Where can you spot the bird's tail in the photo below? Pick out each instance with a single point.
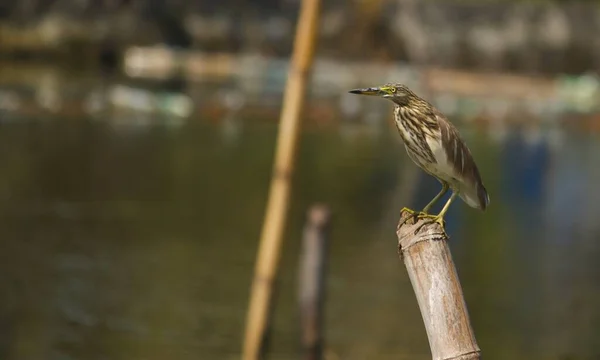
(478, 199)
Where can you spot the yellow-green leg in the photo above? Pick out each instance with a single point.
(445, 188)
(439, 218)
(424, 212)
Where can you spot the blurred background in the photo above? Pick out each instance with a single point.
(137, 140)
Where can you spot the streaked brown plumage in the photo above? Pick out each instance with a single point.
(435, 145)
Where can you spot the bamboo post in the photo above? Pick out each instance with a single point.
(277, 206)
(311, 290)
(434, 279)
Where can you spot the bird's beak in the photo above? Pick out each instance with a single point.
(368, 91)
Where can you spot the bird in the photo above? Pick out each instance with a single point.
(434, 144)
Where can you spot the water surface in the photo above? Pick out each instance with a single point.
(134, 240)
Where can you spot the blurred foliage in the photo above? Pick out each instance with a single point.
(521, 36)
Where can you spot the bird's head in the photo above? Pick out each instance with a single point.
(398, 93)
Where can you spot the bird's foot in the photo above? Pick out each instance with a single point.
(433, 219)
(414, 215)
(410, 211)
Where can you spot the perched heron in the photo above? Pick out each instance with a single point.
(435, 145)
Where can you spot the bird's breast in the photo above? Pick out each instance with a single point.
(424, 147)
(417, 139)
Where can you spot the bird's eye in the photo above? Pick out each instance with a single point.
(393, 90)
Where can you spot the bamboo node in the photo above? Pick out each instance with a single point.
(264, 279)
(471, 355)
(300, 71)
(282, 174)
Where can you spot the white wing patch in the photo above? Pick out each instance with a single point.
(445, 171)
(443, 168)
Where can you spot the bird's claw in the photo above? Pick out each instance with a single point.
(430, 219)
(414, 215)
(410, 211)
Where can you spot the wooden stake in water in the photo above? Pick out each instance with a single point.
(278, 202)
(434, 279)
(311, 290)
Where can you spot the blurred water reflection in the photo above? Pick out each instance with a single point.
(136, 239)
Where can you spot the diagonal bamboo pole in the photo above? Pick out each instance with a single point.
(277, 207)
(433, 276)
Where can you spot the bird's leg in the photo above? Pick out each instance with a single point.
(436, 198)
(439, 218)
(424, 213)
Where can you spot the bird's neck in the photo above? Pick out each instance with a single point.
(401, 101)
(421, 114)
(413, 102)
